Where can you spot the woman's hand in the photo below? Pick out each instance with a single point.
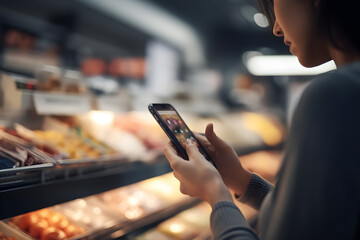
(198, 177)
(226, 161)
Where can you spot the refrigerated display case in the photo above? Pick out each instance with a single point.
(103, 216)
(30, 188)
(193, 223)
(125, 153)
(87, 150)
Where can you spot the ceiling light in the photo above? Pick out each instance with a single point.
(283, 65)
(261, 20)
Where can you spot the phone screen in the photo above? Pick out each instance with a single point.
(175, 128)
(176, 125)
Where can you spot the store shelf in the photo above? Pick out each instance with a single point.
(38, 189)
(34, 188)
(132, 228)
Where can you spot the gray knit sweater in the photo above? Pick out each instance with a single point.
(317, 195)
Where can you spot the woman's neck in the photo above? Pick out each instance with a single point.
(343, 57)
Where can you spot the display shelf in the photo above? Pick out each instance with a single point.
(45, 103)
(57, 103)
(36, 189)
(31, 188)
(133, 228)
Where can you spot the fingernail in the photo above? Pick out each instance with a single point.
(189, 141)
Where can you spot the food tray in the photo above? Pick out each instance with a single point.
(21, 176)
(13, 232)
(8, 224)
(102, 159)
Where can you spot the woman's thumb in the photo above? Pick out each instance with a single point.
(211, 136)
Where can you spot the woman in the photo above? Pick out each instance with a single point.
(317, 195)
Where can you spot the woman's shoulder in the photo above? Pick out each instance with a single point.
(343, 82)
(348, 75)
(333, 93)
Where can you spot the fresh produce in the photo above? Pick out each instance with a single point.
(47, 224)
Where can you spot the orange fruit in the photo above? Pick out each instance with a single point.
(70, 231)
(73, 230)
(63, 223)
(44, 213)
(51, 233)
(16, 219)
(28, 220)
(38, 228)
(55, 218)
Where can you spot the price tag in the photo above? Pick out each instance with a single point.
(113, 103)
(61, 104)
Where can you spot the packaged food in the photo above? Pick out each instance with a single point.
(165, 187)
(131, 202)
(55, 79)
(89, 212)
(46, 224)
(73, 82)
(154, 234)
(102, 148)
(9, 233)
(72, 145)
(28, 137)
(6, 162)
(143, 127)
(193, 223)
(198, 216)
(178, 229)
(4, 237)
(21, 154)
(69, 136)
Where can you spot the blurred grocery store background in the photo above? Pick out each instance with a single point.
(76, 79)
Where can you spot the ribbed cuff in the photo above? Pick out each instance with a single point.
(223, 215)
(227, 222)
(257, 190)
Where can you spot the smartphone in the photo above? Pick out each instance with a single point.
(175, 128)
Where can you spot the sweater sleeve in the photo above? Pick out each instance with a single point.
(227, 222)
(256, 192)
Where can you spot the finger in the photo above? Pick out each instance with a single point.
(213, 138)
(192, 149)
(181, 185)
(183, 189)
(205, 143)
(209, 149)
(171, 155)
(169, 149)
(177, 175)
(202, 139)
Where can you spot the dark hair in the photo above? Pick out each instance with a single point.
(267, 8)
(338, 19)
